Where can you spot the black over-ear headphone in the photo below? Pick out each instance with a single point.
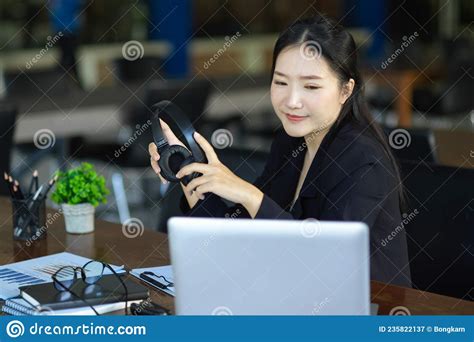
(174, 157)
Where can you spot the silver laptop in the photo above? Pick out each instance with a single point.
(269, 267)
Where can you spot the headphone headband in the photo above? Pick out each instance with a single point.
(171, 111)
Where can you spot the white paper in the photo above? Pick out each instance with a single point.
(37, 271)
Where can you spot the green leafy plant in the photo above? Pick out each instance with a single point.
(80, 185)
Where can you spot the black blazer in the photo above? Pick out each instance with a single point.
(350, 179)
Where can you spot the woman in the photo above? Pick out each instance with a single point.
(330, 161)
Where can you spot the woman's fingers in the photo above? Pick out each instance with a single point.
(196, 182)
(207, 148)
(202, 189)
(156, 168)
(169, 135)
(164, 125)
(193, 167)
(153, 151)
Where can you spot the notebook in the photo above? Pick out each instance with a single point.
(20, 307)
(108, 289)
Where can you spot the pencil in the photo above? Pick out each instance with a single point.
(34, 180)
(20, 193)
(7, 183)
(35, 177)
(10, 181)
(50, 185)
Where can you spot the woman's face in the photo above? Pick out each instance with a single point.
(305, 93)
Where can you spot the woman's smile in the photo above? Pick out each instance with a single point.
(295, 118)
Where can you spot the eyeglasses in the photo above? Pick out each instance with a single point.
(65, 277)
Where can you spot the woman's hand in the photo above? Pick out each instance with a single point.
(153, 150)
(218, 179)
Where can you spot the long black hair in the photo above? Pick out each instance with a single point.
(324, 37)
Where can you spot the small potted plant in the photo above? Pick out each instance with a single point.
(79, 191)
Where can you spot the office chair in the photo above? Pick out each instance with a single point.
(247, 164)
(422, 146)
(8, 115)
(441, 236)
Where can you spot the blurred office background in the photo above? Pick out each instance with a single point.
(78, 78)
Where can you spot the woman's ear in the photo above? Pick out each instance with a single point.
(346, 90)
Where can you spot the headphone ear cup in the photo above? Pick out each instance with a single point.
(171, 161)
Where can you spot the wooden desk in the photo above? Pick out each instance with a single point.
(109, 244)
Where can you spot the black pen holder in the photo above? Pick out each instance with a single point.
(29, 220)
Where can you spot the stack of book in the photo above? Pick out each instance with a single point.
(26, 288)
(105, 296)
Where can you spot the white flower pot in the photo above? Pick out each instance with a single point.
(79, 218)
